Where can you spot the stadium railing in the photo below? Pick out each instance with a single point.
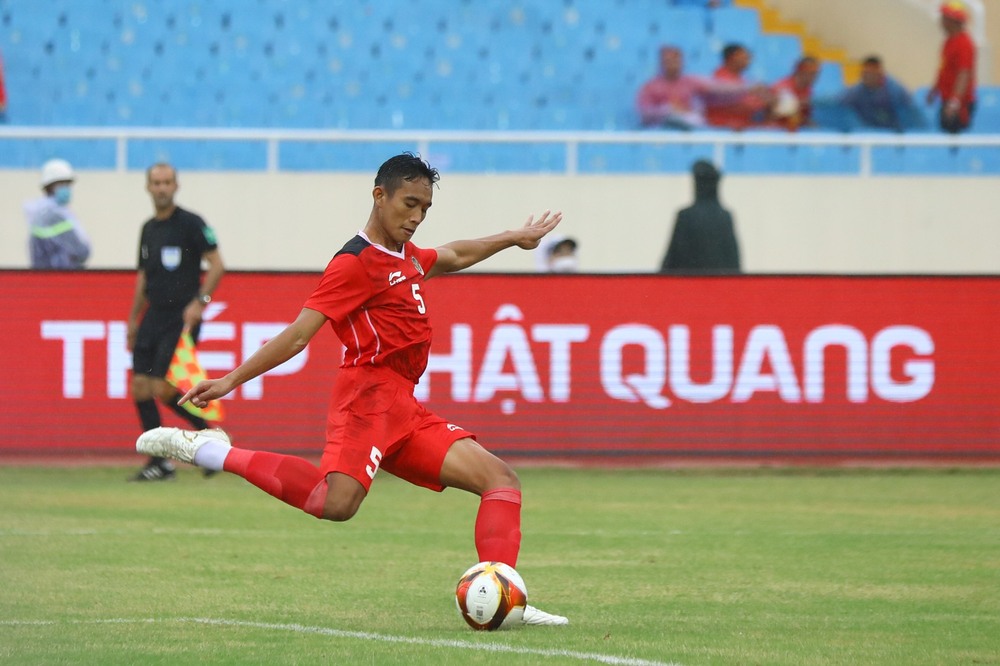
(560, 152)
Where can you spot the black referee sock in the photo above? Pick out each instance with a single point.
(149, 414)
(198, 422)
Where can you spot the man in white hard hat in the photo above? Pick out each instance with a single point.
(57, 241)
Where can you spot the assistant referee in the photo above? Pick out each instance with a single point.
(170, 296)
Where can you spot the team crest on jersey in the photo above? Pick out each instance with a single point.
(416, 264)
(170, 257)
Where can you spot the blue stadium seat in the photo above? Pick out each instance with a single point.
(830, 80)
(752, 158)
(406, 64)
(679, 25)
(639, 157)
(499, 158)
(735, 24)
(987, 117)
(774, 57)
(199, 155)
(900, 160)
(343, 156)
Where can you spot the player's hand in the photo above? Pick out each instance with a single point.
(206, 391)
(534, 230)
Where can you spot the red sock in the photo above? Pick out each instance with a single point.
(498, 526)
(292, 480)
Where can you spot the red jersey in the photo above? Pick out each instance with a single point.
(373, 298)
(3, 92)
(734, 113)
(804, 96)
(958, 53)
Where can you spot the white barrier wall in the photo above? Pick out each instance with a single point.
(785, 224)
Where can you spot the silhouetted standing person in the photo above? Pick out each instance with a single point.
(704, 237)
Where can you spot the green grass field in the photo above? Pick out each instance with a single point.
(652, 567)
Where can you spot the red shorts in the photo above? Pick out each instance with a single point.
(375, 422)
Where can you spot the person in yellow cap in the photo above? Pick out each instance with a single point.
(956, 79)
(57, 240)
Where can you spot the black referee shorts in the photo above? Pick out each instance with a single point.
(156, 341)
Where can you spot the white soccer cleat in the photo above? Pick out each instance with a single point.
(176, 443)
(534, 616)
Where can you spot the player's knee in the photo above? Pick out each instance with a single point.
(506, 477)
(340, 507)
(339, 513)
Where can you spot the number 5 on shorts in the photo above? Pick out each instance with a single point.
(376, 458)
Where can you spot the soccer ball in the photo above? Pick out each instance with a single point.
(491, 595)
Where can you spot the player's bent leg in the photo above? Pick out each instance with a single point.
(498, 523)
(182, 445)
(344, 496)
(468, 466)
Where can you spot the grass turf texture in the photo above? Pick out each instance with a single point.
(686, 567)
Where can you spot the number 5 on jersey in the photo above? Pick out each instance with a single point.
(415, 288)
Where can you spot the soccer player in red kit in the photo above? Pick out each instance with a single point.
(371, 294)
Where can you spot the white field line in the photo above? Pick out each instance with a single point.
(366, 636)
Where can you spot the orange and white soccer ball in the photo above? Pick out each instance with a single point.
(491, 595)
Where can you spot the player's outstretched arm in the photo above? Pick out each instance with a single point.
(461, 254)
(275, 351)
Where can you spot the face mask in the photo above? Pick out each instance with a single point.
(564, 264)
(63, 194)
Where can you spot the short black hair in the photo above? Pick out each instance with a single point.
(565, 242)
(405, 166)
(872, 60)
(730, 49)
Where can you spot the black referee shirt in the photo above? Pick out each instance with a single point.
(170, 254)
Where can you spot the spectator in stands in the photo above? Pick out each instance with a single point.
(704, 236)
(956, 78)
(672, 98)
(880, 101)
(3, 94)
(57, 240)
(746, 110)
(677, 100)
(792, 107)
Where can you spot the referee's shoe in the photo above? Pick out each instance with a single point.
(157, 469)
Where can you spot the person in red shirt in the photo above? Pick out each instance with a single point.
(792, 108)
(745, 110)
(956, 78)
(3, 93)
(372, 296)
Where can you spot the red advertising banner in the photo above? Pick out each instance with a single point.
(632, 368)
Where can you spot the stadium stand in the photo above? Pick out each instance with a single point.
(387, 65)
